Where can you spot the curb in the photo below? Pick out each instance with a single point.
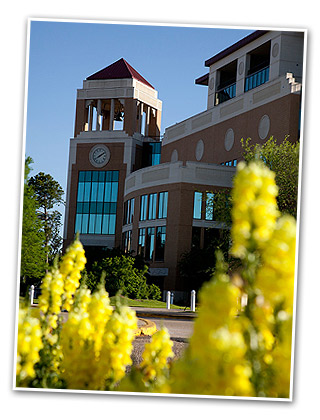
(148, 329)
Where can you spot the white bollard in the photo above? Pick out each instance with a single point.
(168, 299)
(193, 301)
(31, 294)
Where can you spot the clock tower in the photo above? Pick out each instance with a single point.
(118, 114)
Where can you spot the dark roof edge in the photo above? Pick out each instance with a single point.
(244, 41)
(202, 80)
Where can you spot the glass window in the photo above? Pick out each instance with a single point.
(142, 242)
(82, 176)
(131, 212)
(128, 211)
(127, 240)
(209, 206)
(97, 202)
(150, 243)
(151, 153)
(152, 206)
(87, 189)
(197, 205)
(160, 243)
(80, 191)
(100, 191)
(143, 207)
(163, 205)
(78, 223)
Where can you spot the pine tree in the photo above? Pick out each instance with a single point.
(49, 194)
(33, 256)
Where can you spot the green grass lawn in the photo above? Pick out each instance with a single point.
(144, 303)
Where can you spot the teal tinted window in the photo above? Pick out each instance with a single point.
(152, 206)
(128, 211)
(142, 242)
(151, 154)
(127, 240)
(150, 244)
(143, 207)
(97, 202)
(197, 205)
(163, 205)
(160, 243)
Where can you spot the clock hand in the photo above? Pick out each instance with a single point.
(101, 154)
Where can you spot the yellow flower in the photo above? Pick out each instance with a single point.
(156, 354)
(254, 207)
(275, 278)
(72, 263)
(29, 344)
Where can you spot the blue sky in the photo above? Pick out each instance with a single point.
(63, 54)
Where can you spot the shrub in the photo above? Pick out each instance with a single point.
(153, 292)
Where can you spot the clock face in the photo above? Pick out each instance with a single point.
(99, 156)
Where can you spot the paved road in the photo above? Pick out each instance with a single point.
(178, 328)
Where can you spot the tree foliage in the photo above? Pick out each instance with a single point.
(196, 267)
(32, 248)
(121, 275)
(283, 159)
(49, 194)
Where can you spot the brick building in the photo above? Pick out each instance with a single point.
(128, 189)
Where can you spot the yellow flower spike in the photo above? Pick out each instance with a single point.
(156, 354)
(72, 263)
(29, 345)
(254, 206)
(275, 278)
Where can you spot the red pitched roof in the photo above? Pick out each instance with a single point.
(121, 69)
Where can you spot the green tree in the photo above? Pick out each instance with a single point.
(121, 274)
(283, 159)
(196, 267)
(49, 194)
(33, 256)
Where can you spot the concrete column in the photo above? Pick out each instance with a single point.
(146, 130)
(140, 117)
(111, 122)
(90, 117)
(241, 75)
(275, 51)
(98, 115)
(212, 89)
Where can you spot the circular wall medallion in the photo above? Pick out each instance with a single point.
(99, 155)
(229, 139)
(199, 149)
(264, 127)
(275, 50)
(174, 156)
(241, 67)
(211, 83)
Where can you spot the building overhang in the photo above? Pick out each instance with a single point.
(202, 80)
(243, 42)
